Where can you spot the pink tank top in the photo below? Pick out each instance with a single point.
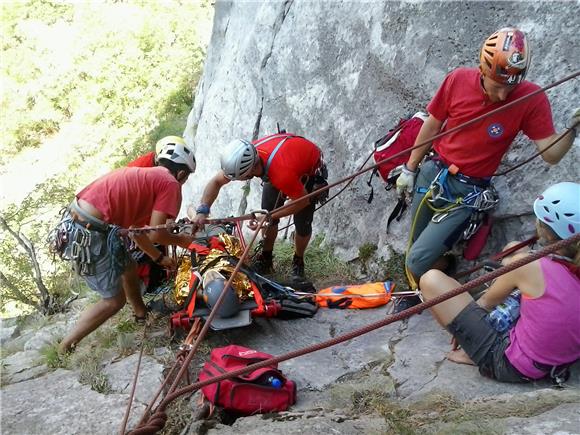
(548, 330)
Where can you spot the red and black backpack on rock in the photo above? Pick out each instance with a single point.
(261, 391)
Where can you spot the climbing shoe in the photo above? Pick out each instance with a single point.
(262, 263)
(297, 268)
(405, 303)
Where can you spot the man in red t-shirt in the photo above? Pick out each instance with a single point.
(150, 159)
(466, 160)
(291, 167)
(124, 198)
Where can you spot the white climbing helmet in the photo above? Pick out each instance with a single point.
(174, 148)
(559, 208)
(238, 158)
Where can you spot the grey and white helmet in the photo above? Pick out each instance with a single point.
(238, 158)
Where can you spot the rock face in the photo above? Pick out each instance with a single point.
(342, 73)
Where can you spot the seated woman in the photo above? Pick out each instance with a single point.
(546, 337)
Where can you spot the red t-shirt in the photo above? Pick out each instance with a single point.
(128, 196)
(145, 161)
(478, 149)
(296, 158)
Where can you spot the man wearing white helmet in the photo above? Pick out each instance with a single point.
(124, 198)
(291, 167)
(149, 159)
(545, 339)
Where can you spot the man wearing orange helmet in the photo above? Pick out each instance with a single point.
(455, 184)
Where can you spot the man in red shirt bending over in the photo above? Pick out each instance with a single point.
(290, 167)
(456, 183)
(88, 236)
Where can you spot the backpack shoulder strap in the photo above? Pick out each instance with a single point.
(397, 212)
(273, 153)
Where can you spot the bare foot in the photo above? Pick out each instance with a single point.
(460, 357)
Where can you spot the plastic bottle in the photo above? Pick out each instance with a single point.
(274, 382)
(505, 314)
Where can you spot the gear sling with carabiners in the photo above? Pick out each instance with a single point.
(457, 202)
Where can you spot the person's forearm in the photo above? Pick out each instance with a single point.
(559, 150)
(427, 132)
(145, 244)
(211, 192)
(497, 292)
(417, 156)
(166, 238)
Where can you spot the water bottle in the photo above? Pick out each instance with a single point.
(274, 382)
(505, 314)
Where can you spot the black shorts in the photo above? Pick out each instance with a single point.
(484, 345)
(272, 198)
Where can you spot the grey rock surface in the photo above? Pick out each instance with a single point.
(340, 389)
(563, 419)
(121, 375)
(342, 73)
(59, 404)
(46, 335)
(316, 423)
(8, 332)
(22, 366)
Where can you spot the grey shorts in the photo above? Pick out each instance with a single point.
(272, 198)
(485, 346)
(430, 240)
(103, 278)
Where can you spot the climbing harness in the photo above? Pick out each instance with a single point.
(73, 237)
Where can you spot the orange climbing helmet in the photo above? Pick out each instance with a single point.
(505, 56)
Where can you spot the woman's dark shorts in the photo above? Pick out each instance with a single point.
(484, 345)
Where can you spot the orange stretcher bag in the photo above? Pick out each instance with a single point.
(356, 296)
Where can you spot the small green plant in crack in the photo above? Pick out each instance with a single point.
(394, 269)
(365, 253)
(321, 263)
(88, 362)
(53, 358)
(368, 401)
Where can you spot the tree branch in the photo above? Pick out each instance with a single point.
(19, 295)
(36, 272)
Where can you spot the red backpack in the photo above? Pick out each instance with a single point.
(399, 138)
(261, 391)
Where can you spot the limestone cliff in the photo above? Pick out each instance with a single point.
(341, 73)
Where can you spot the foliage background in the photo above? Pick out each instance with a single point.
(86, 87)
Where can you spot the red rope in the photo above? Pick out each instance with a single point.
(153, 424)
